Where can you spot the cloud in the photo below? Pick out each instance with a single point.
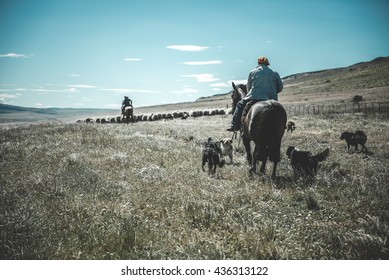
(12, 90)
(74, 88)
(220, 85)
(5, 96)
(45, 90)
(209, 62)
(127, 90)
(111, 106)
(133, 59)
(228, 84)
(14, 55)
(186, 90)
(81, 86)
(236, 82)
(71, 89)
(202, 78)
(187, 48)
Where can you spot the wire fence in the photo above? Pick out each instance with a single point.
(354, 107)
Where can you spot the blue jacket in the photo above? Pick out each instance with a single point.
(263, 84)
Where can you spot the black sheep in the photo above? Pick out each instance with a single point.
(355, 139)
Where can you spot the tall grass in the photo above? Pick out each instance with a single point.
(78, 191)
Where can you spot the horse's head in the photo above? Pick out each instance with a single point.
(237, 93)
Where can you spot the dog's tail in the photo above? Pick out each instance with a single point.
(323, 155)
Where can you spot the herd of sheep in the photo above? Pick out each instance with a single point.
(158, 116)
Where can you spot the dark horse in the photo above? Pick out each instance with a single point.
(128, 114)
(264, 124)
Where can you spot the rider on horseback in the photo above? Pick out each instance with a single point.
(262, 84)
(126, 103)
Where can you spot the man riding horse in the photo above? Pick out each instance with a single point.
(262, 84)
(126, 103)
(127, 110)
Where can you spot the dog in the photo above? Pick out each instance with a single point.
(355, 139)
(211, 154)
(226, 148)
(291, 126)
(303, 162)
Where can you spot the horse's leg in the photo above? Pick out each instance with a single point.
(246, 143)
(253, 169)
(273, 175)
(257, 157)
(263, 167)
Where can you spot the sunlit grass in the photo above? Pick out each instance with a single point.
(78, 191)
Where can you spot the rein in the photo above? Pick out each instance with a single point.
(238, 92)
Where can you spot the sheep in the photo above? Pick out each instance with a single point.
(221, 112)
(355, 139)
(168, 117)
(185, 116)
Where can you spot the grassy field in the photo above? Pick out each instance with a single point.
(79, 191)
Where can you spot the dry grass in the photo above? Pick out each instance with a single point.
(78, 191)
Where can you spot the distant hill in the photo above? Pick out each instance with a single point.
(8, 109)
(370, 74)
(366, 78)
(369, 79)
(17, 114)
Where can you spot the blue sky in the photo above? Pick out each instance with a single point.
(89, 54)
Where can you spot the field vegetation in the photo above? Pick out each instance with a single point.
(89, 191)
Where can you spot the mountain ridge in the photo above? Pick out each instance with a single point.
(336, 85)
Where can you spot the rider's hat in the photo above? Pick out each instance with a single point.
(263, 60)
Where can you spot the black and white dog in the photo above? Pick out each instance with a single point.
(291, 126)
(355, 139)
(303, 162)
(226, 148)
(211, 154)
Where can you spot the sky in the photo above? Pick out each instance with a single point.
(89, 54)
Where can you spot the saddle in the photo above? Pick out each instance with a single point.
(247, 108)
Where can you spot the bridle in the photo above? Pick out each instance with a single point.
(237, 93)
